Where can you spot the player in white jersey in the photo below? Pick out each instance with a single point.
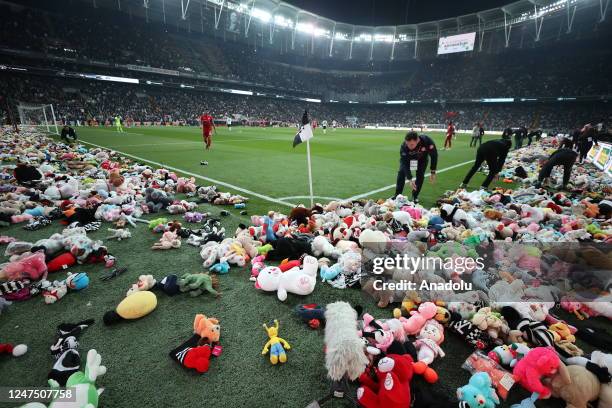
(334, 124)
(324, 124)
(228, 122)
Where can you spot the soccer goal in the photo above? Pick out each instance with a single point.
(38, 116)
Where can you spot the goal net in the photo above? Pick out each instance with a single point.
(41, 117)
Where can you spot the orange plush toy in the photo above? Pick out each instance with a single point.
(207, 328)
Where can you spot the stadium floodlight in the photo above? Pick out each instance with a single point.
(311, 100)
(187, 86)
(110, 78)
(383, 38)
(497, 100)
(238, 91)
(261, 15)
(332, 101)
(153, 83)
(282, 21)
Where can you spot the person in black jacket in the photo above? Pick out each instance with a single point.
(588, 136)
(414, 154)
(68, 133)
(493, 152)
(561, 157)
(519, 134)
(535, 132)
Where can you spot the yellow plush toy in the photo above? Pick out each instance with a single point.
(275, 345)
(135, 306)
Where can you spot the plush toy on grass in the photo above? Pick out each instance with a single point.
(220, 267)
(169, 240)
(428, 342)
(119, 234)
(392, 390)
(195, 353)
(145, 282)
(298, 281)
(276, 346)
(478, 393)
(29, 266)
(133, 307)
(539, 363)
(13, 350)
(198, 283)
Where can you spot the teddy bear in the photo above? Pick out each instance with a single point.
(185, 185)
(156, 199)
(485, 319)
(479, 392)
(562, 332)
(299, 281)
(392, 386)
(322, 247)
(419, 317)
(168, 240)
(428, 342)
(539, 363)
(576, 385)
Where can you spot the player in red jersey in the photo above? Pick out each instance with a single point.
(208, 126)
(450, 132)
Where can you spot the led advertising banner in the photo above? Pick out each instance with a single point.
(456, 43)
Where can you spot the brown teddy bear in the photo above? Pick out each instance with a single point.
(576, 385)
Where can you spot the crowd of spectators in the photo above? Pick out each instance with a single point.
(84, 100)
(111, 36)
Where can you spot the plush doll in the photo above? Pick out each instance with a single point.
(77, 281)
(561, 331)
(132, 307)
(169, 240)
(276, 346)
(576, 385)
(298, 281)
(490, 322)
(119, 234)
(392, 390)
(478, 393)
(470, 333)
(28, 266)
(145, 282)
(198, 283)
(418, 318)
(534, 332)
(209, 252)
(85, 393)
(508, 355)
(322, 247)
(539, 363)
(61, 262)
(196, 352)
(13, 350)
(220, 268)
(428, 342)
(257, 264)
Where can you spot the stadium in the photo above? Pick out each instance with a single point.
(177, 173)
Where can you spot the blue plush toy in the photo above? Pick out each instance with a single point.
(528, 402)
(221, 268)
(436, 222)
(77, 281)
(478, 393)
(329, 273)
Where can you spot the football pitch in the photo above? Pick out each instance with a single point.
(346, 163)
(261, 163)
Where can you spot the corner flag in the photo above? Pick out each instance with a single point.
(305, 132)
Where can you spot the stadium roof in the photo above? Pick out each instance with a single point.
(272, 18)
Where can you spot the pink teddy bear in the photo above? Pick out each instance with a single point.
(418, 318)
(538, 363)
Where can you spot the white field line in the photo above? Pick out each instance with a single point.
(305, 196)
(222, 183)
(378, 190)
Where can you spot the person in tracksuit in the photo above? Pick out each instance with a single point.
(562, 157)
(414, 157)
(519, 134)
(493, 152)
(588, 136)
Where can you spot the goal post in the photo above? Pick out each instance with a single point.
(39, 116)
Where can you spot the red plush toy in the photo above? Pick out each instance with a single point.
(539, 362)
(15, 351)
(392, 390)
(60, 262)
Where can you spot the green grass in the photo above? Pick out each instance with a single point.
(140, 373)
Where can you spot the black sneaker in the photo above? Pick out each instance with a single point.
(203, 163)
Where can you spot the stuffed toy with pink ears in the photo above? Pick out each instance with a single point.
(539, 363)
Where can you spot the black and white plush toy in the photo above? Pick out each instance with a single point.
(469, 332)
(65, 351)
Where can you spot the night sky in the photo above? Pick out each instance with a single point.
(394, 12)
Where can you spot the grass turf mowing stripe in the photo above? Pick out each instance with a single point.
(379, 190)
(242, 190)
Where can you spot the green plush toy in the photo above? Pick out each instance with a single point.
(198, 283)
(82, 384)
(264, 249)
(157, 221)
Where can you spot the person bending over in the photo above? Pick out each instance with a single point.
(68, 133)
(493, 152)
(414, 154)
(588, 136)
(562, 157)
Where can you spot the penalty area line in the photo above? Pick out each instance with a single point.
(390, 186)
(222, 183)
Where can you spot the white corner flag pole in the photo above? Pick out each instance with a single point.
(309, 172)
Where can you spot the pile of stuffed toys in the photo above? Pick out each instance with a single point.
(543, 249)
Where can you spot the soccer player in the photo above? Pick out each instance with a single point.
(450, 131)
(228, 122)
(475, 134)
(494, 152)
(208, 125)
(118, 125)
(414, 154)
(324, 124)
(68, 133)
(561, 157)
(334, 124)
